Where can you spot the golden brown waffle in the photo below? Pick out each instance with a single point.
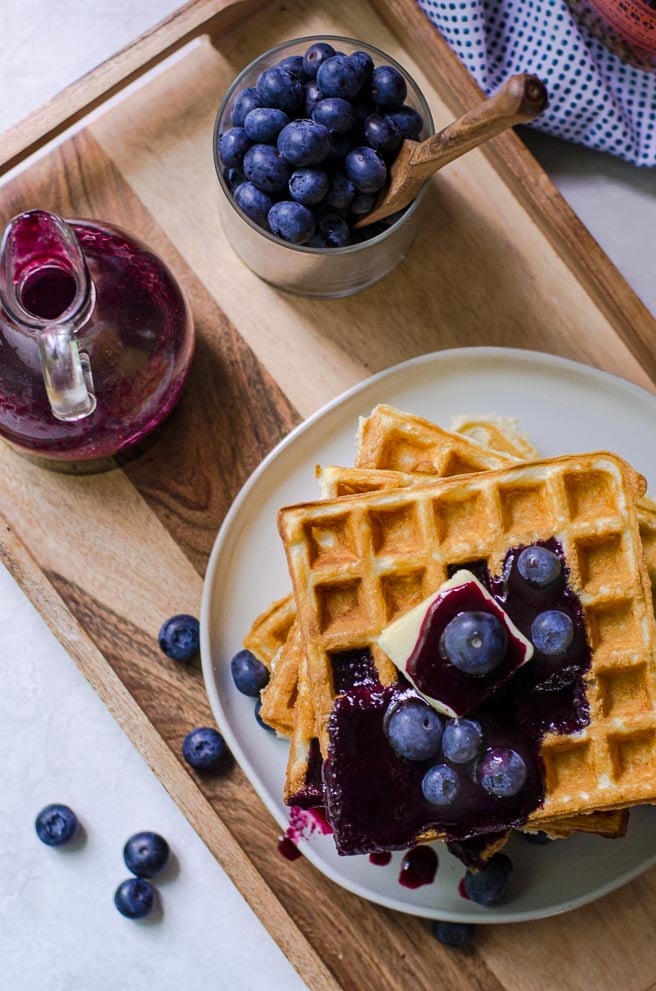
(612, 825)
(268, 634)
(499, 433)
(280, 695)
(357, 562)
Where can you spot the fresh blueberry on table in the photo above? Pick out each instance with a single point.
(333, 230)
(381, 133)
(388, 87)
(452, 933)
(56, 825)
(293, 64)
(313, 96)
(414, 730)
(440, 784)
(340, 76)
(366, 169)
(266, 168)
(254, 202)
(462, 740)
(488, 885)
(408, 121)
(366, 63)
(552, 632)
(315, 56)
(247, 100)
(291, 221)
(258, 717)
(263, 125)
(334, 113)
(539, 566)
(340, 193)
(303, 142)
(233, 145)
(308, 186)
(135, 898)
(146, 854)
(475, 642)
(278, 88)
(502, 772)
(204, 748)
(249, 675)
(362, 204)
(179, 637)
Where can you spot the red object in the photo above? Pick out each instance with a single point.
(635, 20)
(287, 848)
(418, 867)
(380, 858)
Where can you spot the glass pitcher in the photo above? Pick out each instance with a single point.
(96, 339)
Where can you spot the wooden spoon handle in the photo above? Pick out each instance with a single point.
(520, 99)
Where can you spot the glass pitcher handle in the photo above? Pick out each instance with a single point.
(66, 373)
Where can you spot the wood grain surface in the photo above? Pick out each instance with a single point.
(106, 558)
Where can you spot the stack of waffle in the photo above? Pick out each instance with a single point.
(420, 501)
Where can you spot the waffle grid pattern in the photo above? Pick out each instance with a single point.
(358, 562)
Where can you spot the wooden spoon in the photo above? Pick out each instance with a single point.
(521, 98)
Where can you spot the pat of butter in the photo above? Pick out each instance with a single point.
(400, 638)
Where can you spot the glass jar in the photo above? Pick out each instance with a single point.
(322, 272)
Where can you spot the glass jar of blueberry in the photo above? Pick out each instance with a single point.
(303, 143)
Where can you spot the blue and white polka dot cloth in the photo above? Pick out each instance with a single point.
(595, 98)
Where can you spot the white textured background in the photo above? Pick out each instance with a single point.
(58, 928)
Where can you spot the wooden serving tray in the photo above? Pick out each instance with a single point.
(106, 558)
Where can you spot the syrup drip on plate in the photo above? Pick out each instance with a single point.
(302, 824)
(418, 867)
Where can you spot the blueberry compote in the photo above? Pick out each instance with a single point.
(374, 798)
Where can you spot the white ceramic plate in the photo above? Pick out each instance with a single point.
(564, 407)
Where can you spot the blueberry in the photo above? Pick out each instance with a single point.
(253, 202)
(266, 168)
(452, 933)
(340, 76)
(313, 96)
(56, 825)
(409, 122)
(414, 730)
(488, 885)
(440, 784)
(539, 566)
(462, 740)
(363, 203)
(134, 898)
(539, 837)
(341, 192)
(302, 142)
(247, 100)
(315, 56)
(179, 637)
(475, 642)
(501, 772)
(233, 145)
(234, 178)
(340, 146)
(334, 113)
(366, 169)
(277, 88)
(382, 133)
(203, 748)
(258, 706)
(552, 632)
(249, 675)
(293, 64)
(308, 186)
(291, 221)
(388, 87)
(365, 62)
(364, 107)
(334, 230)
(146, 854)
(264, 124)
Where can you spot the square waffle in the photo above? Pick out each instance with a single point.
(359, 561)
